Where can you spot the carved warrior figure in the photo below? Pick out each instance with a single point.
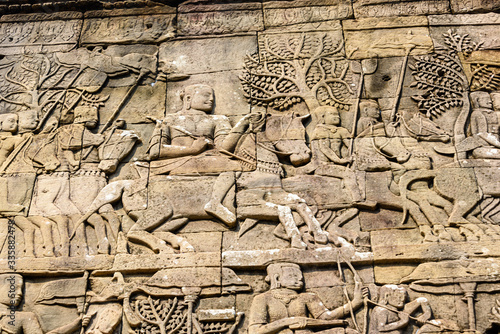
(194, 142)
(392, 314)
(260, 192)
(485, 141)
(284, 309)
(13, 321)
(373, 147)
(328, 141)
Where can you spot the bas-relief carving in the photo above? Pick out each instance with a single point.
(184, 235)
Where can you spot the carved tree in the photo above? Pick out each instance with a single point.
(444, 83)
(163, 316)
(441, 77)
(40, 82)
(290, 69)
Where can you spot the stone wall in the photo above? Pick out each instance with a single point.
(205, 167)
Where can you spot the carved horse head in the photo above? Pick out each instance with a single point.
(288, 135)
(422, 128)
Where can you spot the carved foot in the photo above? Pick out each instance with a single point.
(222, 213)
(442, 234)
(103, 246)
(186, 247)
(163, 248)
(296, 242)
(6, 207)
(320, 237)
(48, 253)
(426, 232)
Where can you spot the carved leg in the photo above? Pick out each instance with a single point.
(5, 206)
(100, 230)
(176, 241)
(45, 226)
(29, 235)
(442, 234)
(62, 223)
(305, 212)
(148, 220)
(286, 218)
(155, 244)
(214, 207)
(423, 225)
(471, 232)
(80, 238)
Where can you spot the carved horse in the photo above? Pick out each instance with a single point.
(420, 191)
(155, 202)
(260, 193)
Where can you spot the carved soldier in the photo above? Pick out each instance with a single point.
(373, 148)
(13, 321)
(485, 141)
(392, 314)
(284, 309)
(327, 142)
(190, 142)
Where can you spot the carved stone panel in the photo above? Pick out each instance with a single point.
(259, 167)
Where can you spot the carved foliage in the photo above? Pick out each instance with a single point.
(297, 68)
(441, 78)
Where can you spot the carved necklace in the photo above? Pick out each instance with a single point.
(284, 296)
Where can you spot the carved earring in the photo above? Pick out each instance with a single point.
(276, 279)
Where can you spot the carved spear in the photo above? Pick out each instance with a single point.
(366, 66)
(115, 113)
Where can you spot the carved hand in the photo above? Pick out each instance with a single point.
(199, 145)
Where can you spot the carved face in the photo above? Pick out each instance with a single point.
(484, 101)
(291, 278)
(9, 123)
(91, 124)
(28, 120)
(371, 110)
(11, 290)
(332, 117)
(396, 298)
(202, 99)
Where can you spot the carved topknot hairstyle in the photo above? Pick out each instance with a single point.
(388, 289)
(189, 90)
(277, 269)
(474, 97)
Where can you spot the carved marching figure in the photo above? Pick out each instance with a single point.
(392, 314)
(329, 142)
(285, 309)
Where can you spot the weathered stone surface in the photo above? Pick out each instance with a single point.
(367, 38)
(57, 35)
(206, 19)
(260, 167)
(374, 8)
(472, 6)
(284, 13)
(480, 28)
(128, 29)
(181, 57)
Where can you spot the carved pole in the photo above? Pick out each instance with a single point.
(115, 113)
(190, 296)
(408, 49)
(367, 66)
(469, 290)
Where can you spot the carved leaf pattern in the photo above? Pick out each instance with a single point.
(290, 70)
(441, 78)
